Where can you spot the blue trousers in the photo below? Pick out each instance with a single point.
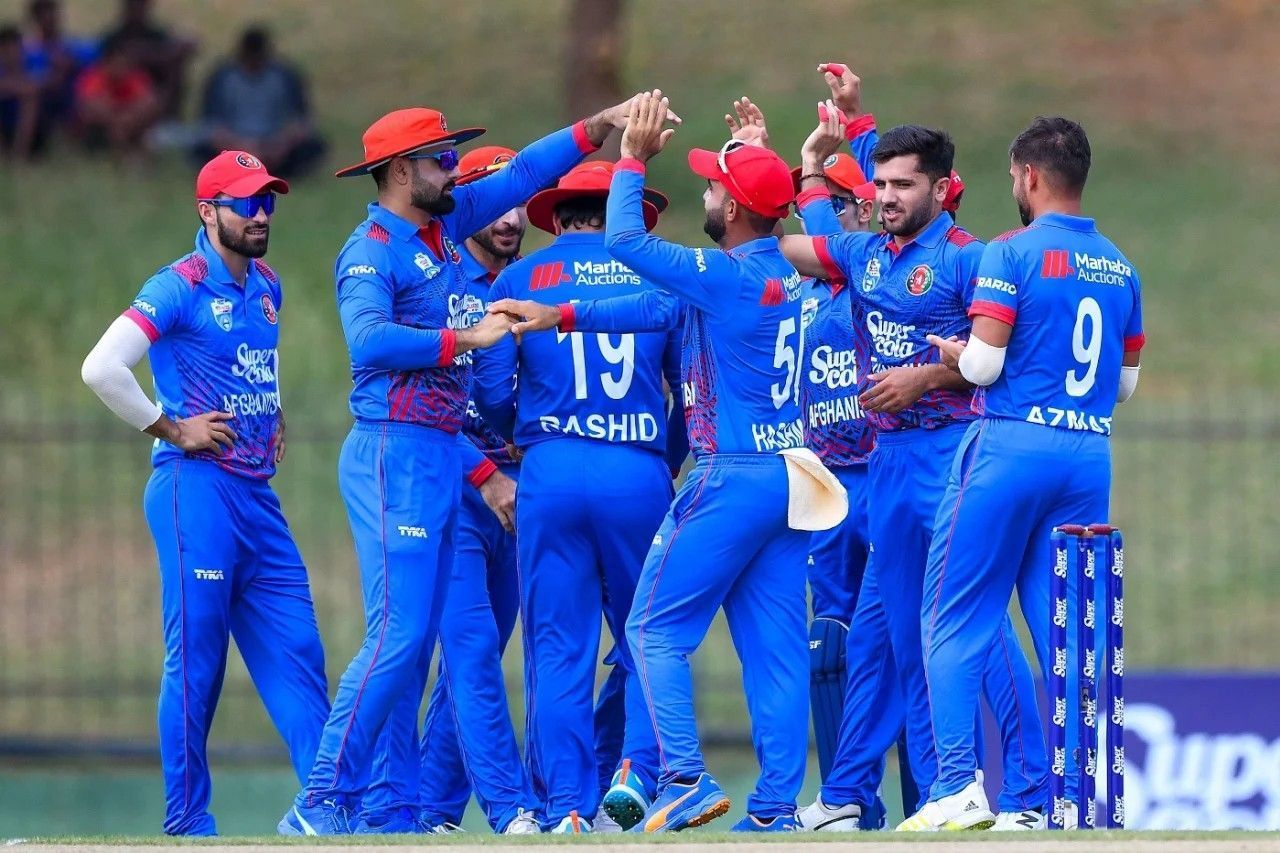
(228, 568)
(468, 742)
(908, 473)
(838, 557)
(611, 719)
(725, 541)
(1010, 485)
(586, 512)
(400, 483)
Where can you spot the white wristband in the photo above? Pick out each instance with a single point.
(1128, 382)
(981, 363)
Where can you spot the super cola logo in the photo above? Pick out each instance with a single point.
(1197, 780)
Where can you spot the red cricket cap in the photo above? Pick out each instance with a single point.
(952, 202)
(482, 161)
(591, 178)
(238, 174)
(842, 170)
(403, 132)
(755, 177)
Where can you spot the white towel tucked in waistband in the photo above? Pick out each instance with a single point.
(815, 498)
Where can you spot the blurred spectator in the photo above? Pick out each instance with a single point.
(55, 59)
(116, 102)
(254, 102)
(21, 131)
(163, 55)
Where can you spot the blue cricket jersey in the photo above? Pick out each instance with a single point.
(837, 354)
(402, 292)
(214, 349)
(743, 347)
(1075, 304)
(483, 437)
(593, 385)
(902, 295)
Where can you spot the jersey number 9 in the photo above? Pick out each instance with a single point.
(1086, 350)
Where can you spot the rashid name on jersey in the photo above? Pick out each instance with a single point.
(592, 385)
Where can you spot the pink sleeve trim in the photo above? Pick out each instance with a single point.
(1133, 343)
(630, 164)
(834, 274)
(580, 138)
(448, 346)
(994, 310)
(860, 125)
(812, 194)
(148, 328)
(482, 472)
(567, 316)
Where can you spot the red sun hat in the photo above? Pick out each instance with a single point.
(586, 179)
(403, 132)
(842, 170)
(952, 202)
(482, 161)
(755, 177)
(239, 174)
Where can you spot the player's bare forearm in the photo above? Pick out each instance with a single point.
(940, 377)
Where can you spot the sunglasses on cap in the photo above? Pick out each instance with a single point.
(247, 207)
(447, 160)
(727, 149)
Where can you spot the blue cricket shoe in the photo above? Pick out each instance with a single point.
(777, 823)
(681, 805)
(628, 797)
(328, 817)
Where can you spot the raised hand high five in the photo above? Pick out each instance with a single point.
(646, 134)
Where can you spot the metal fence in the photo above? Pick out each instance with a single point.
(80, 645)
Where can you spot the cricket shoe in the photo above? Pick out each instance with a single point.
(1027, 820)
(627, 798)
(681, 805)
(820, 817)
(605, 825)
(777, 823)
(967, 809)
(329, 817)
(400, 821)
(524, 823)
(572, 825)
(426, 827)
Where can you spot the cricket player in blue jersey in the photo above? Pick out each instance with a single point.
(731, 537)
(406, 314)
(228, 563)
(589, 413)
(913, 280)
(1056, 342)
(468, 743)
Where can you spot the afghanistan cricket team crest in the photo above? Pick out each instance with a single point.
(268, 309)
(451, 250)
(920, 280)
(248, 161)
(808, 312)
(221, 309)
(871, 276)
(428, 265)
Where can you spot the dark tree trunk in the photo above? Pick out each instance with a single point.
(593, 60)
